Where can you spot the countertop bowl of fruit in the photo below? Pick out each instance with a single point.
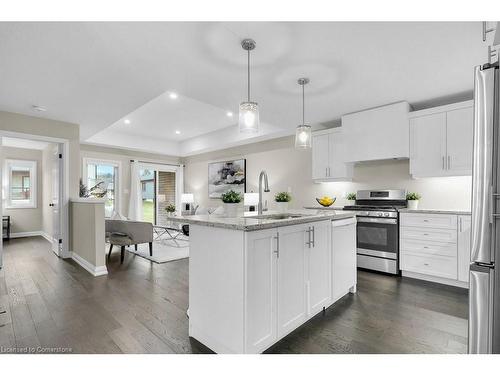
(326, 201)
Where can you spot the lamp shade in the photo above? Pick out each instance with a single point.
(187, 198)
(303, 136)
(249, 117)
(251, 199)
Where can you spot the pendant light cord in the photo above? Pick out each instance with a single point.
(303, 105)
(248, 69)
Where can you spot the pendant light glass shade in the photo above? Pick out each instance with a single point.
(303, 136)
(249, 111)
(249, 117)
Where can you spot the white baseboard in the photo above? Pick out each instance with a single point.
(46, 236)
(26, 234)
(95, 271)
(435, 279)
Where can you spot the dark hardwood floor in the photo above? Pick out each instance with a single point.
(140, 307)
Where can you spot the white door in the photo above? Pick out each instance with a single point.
(319, 264)
(428, 145)
(261, 290)
(56, 204)
(343, 256)
(459, 126)
(320, 156)
(291, 278)
(464, 255)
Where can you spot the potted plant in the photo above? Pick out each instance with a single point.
(231, 201)
(170, 209)
(351, 197)
(282, 198)
(413, 199)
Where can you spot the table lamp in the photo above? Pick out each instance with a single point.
(251, 200)
(187, 199)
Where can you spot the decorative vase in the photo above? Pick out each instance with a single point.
(231, 209)
(351, 202)
(282, 206)
(413, 204)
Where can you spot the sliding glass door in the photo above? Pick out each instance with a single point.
(102, 180)
(159, 189)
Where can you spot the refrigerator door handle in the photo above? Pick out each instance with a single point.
(480, 310)
(482, 169)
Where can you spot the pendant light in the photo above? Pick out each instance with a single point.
(303, 132)
(249, 111)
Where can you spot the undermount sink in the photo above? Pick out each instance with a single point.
(283, 216)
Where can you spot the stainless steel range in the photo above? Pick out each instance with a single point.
(378, 228)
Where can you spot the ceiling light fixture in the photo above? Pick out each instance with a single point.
(303, 132)
(126, 121)
(229, 114)
(173, 95)
(177, 132)
(249, 111)
(39, 108)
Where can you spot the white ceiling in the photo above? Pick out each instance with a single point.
(99, 74)
(24, 143)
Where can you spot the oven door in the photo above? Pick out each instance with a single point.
(377, 237)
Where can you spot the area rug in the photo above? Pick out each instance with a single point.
(163, 251)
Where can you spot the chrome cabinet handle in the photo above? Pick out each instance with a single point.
(277, 251)
(449, 162)
(444, 167)
(309, 242)
(313, 237)
(326, 172)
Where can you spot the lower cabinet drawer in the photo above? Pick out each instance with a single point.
(429, 265)
(429, 247)
(429, 234)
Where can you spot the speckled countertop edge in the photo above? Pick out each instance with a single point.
(250, 224)
(434, 211)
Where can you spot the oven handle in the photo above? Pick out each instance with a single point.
(377, 220)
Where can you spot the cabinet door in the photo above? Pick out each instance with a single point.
(319, 261)
(343, 257)
(291, 278)
(338, 169)
(428, 145)
(464, 225)
(459, 126)
(320, 156)
(260, 284)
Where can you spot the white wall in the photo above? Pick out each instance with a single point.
(291, 168)
(123, 157)
(25, 219)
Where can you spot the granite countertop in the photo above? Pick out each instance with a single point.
(435, 211)
(248, 223)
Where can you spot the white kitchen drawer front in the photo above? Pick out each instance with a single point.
(429, 234)
(430, 265)
(442, 221)
(429, 248)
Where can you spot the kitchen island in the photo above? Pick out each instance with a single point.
(254, 279)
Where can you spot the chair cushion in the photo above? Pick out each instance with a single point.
(119, 239)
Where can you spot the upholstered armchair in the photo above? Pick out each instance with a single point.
(125, 233)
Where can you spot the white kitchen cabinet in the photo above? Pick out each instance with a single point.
(464, 255)
(291, 278)
(328, 153)
(319, 269)
(441, 141)
(343, 257)
(261, 290)
(377, 134)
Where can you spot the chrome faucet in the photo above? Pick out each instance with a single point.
(263, 175)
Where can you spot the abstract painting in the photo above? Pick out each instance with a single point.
(226, 175)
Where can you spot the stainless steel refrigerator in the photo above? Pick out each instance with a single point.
(484, 292)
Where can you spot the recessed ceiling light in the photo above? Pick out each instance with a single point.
(126, 121)
(229, 114)
(39, 108)
(177, 132)
(173, 95)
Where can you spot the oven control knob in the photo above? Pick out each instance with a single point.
(386, 214)
(380, 214)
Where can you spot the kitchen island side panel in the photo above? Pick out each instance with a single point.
(216, 288)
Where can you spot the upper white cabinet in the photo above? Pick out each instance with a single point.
(377, 134)
(441, 141)
(328, 156)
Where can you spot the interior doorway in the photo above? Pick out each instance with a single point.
(34, 194)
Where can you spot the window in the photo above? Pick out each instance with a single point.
(101, 178)
(20, 183)
(159, 189)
